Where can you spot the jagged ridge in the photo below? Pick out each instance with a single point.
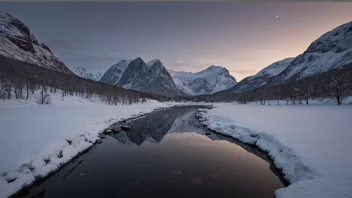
(135, 74)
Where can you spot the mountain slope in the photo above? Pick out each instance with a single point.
(208, 81)
(17, 42)
(82, 72)
(331, 50)
(261, 78)
(135, 74)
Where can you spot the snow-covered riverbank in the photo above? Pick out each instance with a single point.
(310, 143)
(36, 139)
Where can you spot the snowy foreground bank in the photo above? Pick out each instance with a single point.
(311, 144)
(36, 139)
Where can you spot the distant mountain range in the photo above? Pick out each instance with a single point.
(83, 73)
(207, 81)
(153, 77)
(332, 50)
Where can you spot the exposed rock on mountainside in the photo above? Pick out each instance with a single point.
(151, 77)
(331, 50)
(17, 42)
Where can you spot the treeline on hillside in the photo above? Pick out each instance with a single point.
(334, 84)
(23, 79)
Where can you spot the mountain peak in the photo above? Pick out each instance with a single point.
(149, 77)
(215, 68)
(123, 62)
(152, 62)
(83, 73)
(139, 59)
(155, 64)
(208, 81)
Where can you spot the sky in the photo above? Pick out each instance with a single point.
(244, 37)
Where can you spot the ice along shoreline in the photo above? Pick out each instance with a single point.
(24, 177)
(291, 166)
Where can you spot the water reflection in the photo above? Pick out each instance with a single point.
(153, 127)
(165, 154)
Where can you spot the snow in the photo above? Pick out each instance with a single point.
(40, 55)
(37, 139)
(83, 73)
(150, 63)
(114, 73)
(208, 81)
(332, 50)
(274, 69)
(310, 143)
(321, 62)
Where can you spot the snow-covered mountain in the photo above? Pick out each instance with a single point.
(331, 50)
(17, 42)
(151, 77)
(208, 81)
(82, 72)
(262, 77)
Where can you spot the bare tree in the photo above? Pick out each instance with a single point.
(2, 95)
(338, 87)
(243, 98)
(262, 95)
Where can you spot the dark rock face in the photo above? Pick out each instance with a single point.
(45, 47)
(114, 73)
(135, 75)
(17, 42)
(23, 40)
(140, 76)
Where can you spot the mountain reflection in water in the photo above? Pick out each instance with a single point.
(164, 154)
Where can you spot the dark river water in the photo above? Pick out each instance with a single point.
(165, 154)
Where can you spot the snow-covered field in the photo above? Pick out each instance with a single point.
(311, 143)
(36, 139)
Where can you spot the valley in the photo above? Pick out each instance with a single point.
(134, 126)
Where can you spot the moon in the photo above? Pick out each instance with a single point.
(277, 16)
